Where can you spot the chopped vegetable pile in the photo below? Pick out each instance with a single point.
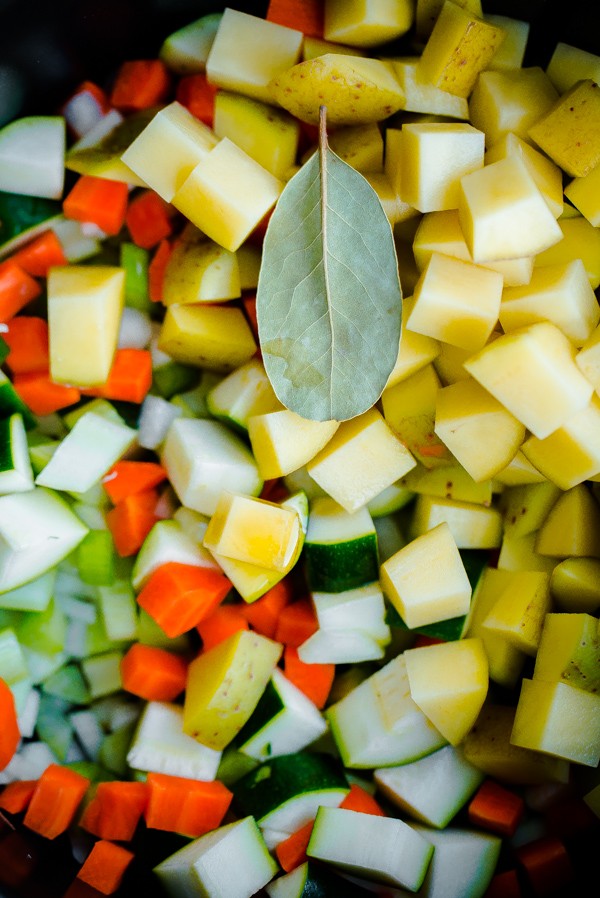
(300, 465)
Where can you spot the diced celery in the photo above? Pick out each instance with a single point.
(113, 751)
(45, 630)
(135, 261)
(173, 377)
(119, 610)
(42, 664)
(96, 558)
(27, 701)
(54, 727)
(32, 596)
(103, 673)
(68, 684)
(77, 609)
(88, 731)
(150, 633)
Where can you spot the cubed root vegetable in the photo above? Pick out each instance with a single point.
(54, 803)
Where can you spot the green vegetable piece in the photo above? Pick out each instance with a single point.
(135, 260)
(24, 217)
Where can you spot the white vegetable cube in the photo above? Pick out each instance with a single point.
(503, 214)
(32, 155)
(456, 302)
(559, 293)
(283, 441)
(85, 304)
(571, 454)
(532, 372)
(227, 194)
(361, 459)
(248, 52)
(426, 580)
(435, 156)
(449, 682)
(361, 609)
(204, 457)
(588, 359)
(478, 430)
(169, 148)
(253, 530)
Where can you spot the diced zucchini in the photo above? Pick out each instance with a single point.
(341, 547)
(310, 880)
(22, 218)
(16, 474)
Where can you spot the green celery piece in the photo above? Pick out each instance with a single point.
(135, 261)
(119, 610)
(102, 673)
(150, 633)
(41, 450)
(44, 631)
(95, 772)
(174, 377)
(68, 684)
(96, 558)
(53, 726)
(13, 664)
(98, 406)
(33, 596)
(114, 748)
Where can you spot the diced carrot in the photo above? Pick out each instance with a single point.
(504, 885)
(303, 15)
(40, 254)
(17, 289)
(54, 803)
(224, 620)
(131, 520)
(263, 614)
(15, 796)
(80, 889)
(422, 639)
(496, 808)
(42, 395)
(297, 621)
(178, 596)
(249, 304)
(156, 270)
(153, 673)
(105, 865)
(186, 806)
(131, 476)
(149, 219)
(139, 84)
(197, 94)
(358, 799)
(130, 377)
(314, 680)
(9, 731)
(99, 201)
(27, 340)
(115, 810)
(292, 851)
(546, 864)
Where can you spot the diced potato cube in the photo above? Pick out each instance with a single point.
(422, 96)
(584, 193)
(367, 23)
(409, 408)
(360, 146)
(210, 336)
(569, 132)
(414, 352)
(428, 10)
(227, 194)
(572, 526)
(579, 240)
(569, 64)
(506, 101)
(199, 270)
(283, 441)
(569, 650)
(85, 303)
(248, 52)
(473, 526)
(518, 613)
(511, 52)
(547, 175)
(588, 359)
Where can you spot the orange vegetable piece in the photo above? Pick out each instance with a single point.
(139, 84)
(314, 680)
(131, 520)
(129, 379)
(546, 864)
(105, 865)
(128, 476)
(115, 810)
(40, 254)
(42, 395)
(156, 270)
(149, 219)
(263, 614)
(15, 796)
(303, 15)
(178, 596)
(186, 806)
(98, 200)
(297, 622)
(27, 339)
(223, 622)
(504, 885)
(17, 289)
(197, 94)
(9, 731)
(55, 800)
(292, 851)
(153, 673)
(358, 799)
(496, 808)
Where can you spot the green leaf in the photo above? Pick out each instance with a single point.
(329, 301)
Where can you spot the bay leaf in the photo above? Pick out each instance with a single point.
(329, 301)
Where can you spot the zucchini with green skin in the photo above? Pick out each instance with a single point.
(340, 550)
(313, 880)
(16, 474)
(22, 218)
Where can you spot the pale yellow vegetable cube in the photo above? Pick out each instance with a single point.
(546, 174)
(434, 159)
(449, 682)
(244, 392)
(360, 146)
(448, 481)
(558, 293)
(569, 64)
(579, 240)
(253, 530)
(227, 194)
(588, 359)
(283, 441)
(459, 47)
(473, 526)
(518, 472)
(426, 580)
(503, 214)
(456, 302)
(569, 651)
(510, 101)
(511, 52)
(414, 352)
(525, 507)
(393, 205)
(572, 526)
(517, 553)
(362, 458)
(248, 52)
(270, 136)
(85, 303)
(409, 408)
(427, 12)
(479, 432)
(422, 96)
(518, 613)
(316, 46)
(367, 23)
(575, 585)
(571, 454)
(210, 336)
(559, 720)
(569, 132)
(249, 258)
(584, 193)
(199, 270)
(169, 148)
(532, 372)
(392, 158)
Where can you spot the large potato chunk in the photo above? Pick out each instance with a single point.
(354, 89)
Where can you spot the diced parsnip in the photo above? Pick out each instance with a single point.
(519, 611)
(506, 101)
(569, 131)
(584, 193)
(423, 96)
(572, 526)
(367, 23)
(283, 441)
(511, 52)
(209, 336)
(569, 64)
(546, 174)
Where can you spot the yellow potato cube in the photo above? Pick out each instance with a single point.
(253, 530)
(519, 611)
(559, 720)
(316, 46)
(428, 10)
(210, 336)
(503, 214)
(579, 240)
(569, 132)
(244, 392)
(367, 23)
(584, 193)
(434, 159)
(270, 136)
(511, 52)
(283, 441)
(394, 206)
(199, 270)
(360, 146)
(569, 651)
(248, 52)
(505, 102)
(588, 359)
(518, 472)
(85, 303)
(426, 580)
(572, 526)
(448, 481)
(473, 526)
(456, 302)
(449, 683)
(546, 174)
(422, 96)
(571, 454)
(532, 372)
(517, 553)
(227, 195)
(362, 458)
(169, 148)
(569, 64)
(409, 408)
(575, 585)
(414, 352)
(525, 507)
(459, 47)
(479, 432)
